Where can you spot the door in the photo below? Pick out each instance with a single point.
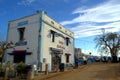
(19, 58)
(56, 60)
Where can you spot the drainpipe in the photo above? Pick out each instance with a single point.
(39, 37)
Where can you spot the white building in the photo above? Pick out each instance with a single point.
(40, 39)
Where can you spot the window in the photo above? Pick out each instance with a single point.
(60, 27)
(53, 35)
(67, 41)
(21, 33)
(67, 58)
(52, 22)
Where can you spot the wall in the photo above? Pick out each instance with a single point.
(30, 35)
(47, 40)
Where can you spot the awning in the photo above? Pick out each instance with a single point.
(18, 52)
(67, 54)
(56, 51)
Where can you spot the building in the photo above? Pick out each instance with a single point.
(39, 39)
(78, 53)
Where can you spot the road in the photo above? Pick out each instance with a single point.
(96, 71)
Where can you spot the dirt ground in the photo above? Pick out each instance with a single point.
(95, 71)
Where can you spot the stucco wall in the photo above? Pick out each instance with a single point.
(30, 35)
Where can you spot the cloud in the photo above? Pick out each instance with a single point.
(107, 12)
(26, 2)
(90, 29)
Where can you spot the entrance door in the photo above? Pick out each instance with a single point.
(56, 60)
(19, 58)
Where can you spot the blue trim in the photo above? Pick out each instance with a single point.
(22, 23)
(25, 24)
(18, 53)
(21, 43)
(56, 50)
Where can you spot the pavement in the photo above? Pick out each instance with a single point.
(43, 76)
(94, 71)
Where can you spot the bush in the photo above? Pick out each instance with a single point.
(2, 73)
(21, 68)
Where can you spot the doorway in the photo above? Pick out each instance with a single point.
(19, 58)
(56, 61)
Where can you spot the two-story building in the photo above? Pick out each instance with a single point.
(40, 39)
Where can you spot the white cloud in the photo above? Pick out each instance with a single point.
(26, 2)
(106, 12)
(86, 30)
(89, 51)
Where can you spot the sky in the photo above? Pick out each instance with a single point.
(85, 18)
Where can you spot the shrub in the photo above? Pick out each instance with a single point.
(2, 72)
(21, 68)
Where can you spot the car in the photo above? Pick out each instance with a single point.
(104, 59)
(97, 59)
(82, 60)
(90, 59)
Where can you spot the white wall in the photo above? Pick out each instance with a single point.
(47, 40)
(30, 35)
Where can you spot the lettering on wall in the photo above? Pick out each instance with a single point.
(21, 43)
(60, 45)
(22, 23)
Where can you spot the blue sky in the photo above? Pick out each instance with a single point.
(83, 17)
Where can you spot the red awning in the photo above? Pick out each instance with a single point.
(57, 52)
(18, 52)
(67, 54)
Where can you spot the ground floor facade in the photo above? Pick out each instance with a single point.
(54, 58)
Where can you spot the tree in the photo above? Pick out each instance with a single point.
(4, 45)
(108, 43)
